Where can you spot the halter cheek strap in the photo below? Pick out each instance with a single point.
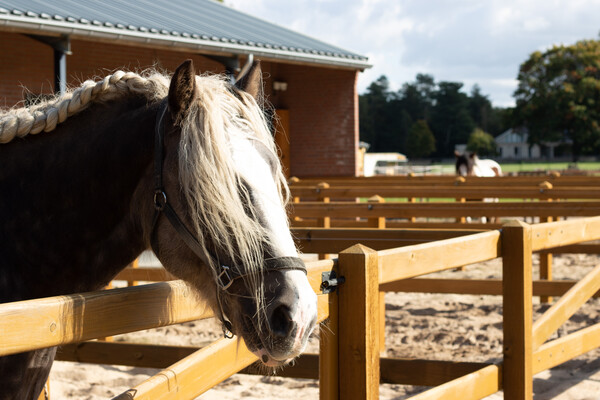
(226, 275)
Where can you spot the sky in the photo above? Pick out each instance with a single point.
(479, 42)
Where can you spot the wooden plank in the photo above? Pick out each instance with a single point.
(195, 374)
(358, 321)
(412, 261)
(145, 274)
(430, 180)
(134, 265)
(582, 248)
(562, 233)
(425, 372)
(517, 310)
(545, 259)
(325, 221)
(565, 307)
(473, 386)
(160, 356)
(393, 371)
(35, 324)
(445, 210)
(118, 353)
(566, 348)
(334, 240)
(447, 191)
(329, 353)
(473, 286)
(362, 223)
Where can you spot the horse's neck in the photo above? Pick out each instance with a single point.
(68, 222)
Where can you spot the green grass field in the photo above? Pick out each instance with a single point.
(548, 166)
(448, 168)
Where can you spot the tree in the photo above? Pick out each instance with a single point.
(376, 118)
(417, 97)
(558, 96)
(421, 141)
(481, 143)
(480, 108)
(450, 119)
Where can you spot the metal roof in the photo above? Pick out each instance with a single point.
(204, 25)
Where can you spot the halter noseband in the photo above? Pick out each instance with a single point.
(225, 275)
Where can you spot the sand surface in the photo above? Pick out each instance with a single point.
(429, 326)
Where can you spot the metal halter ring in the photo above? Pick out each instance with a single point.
(160, 199)
(224, 278)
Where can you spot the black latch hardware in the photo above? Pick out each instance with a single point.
(330, 281)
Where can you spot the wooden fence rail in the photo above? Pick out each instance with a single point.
(544, 192)
(445, 210)
(35, 324)
(448, 180)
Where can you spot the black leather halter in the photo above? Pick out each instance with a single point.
(226, 275)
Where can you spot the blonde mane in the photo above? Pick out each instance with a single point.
(208, 178)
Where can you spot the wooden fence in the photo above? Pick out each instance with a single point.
(349, 365)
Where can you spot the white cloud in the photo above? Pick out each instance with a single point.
(470, 41)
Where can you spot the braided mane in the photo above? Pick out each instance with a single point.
(20, 122)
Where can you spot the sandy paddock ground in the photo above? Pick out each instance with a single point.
(428, 326)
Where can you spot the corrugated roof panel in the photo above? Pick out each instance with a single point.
(198, 19)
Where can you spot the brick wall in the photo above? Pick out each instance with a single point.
(322, 102)
(323, 106)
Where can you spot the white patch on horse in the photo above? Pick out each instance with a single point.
(257, 171)
(486, 167)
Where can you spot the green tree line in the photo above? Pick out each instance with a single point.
(425, 118)
(557, 100)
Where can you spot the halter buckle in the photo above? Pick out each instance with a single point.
(224, 278)
(227, 330)
(160, 199)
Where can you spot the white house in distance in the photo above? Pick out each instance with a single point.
(513, 144)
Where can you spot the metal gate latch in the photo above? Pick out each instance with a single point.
(330, 282)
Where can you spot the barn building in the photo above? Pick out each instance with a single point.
(310, 84)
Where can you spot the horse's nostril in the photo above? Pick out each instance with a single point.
(281, 321)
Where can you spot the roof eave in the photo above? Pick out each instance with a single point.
(181, 43)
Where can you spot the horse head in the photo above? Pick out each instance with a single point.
(216, 169)
(464, 163)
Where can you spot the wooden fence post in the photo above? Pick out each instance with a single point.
(459, 181)
(517, 311)
(134, 264)
(379, 223)
(328, 353)
(376, 222)
(358, 321)
(324, 222)
(545, 257)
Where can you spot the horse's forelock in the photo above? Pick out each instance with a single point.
(218, 199)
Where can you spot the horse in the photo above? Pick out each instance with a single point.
(185, 166)
(471, 165)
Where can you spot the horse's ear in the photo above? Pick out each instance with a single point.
(182, 90)
(251, 81)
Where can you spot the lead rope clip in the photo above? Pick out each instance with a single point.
(227, 330)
